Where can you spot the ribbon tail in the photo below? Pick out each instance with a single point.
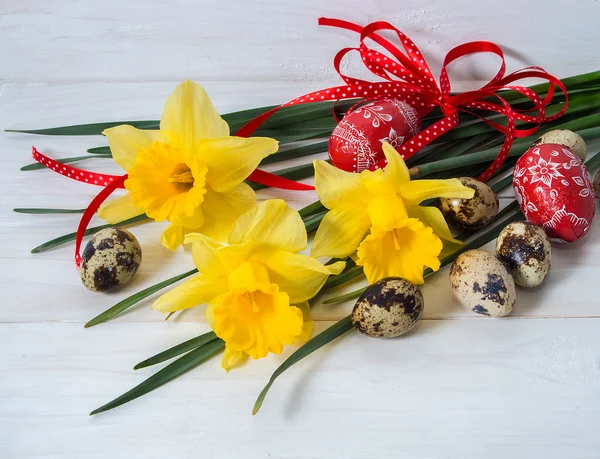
(275, 181)
(91, 210)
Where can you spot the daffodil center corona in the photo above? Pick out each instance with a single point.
(252, 297)
(396, 238)
(181, 178)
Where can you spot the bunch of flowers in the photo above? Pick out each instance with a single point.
(249, 272)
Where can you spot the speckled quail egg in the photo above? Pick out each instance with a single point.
(526, 250)
(474, 213)
(110, 259)
(569, 139)
(482, 283)
(597, 184)
(388, 308)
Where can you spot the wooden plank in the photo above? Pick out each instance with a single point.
(68, 41)
(470, 389)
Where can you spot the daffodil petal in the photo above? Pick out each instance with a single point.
(300, 276)
(119, 209)
(396, 168)
(196, 291)
(126, 142)
(233, 359)
(230, 160)
(190, 116)
(204, 249)
(308, 326)
(215, 259)
(418, 191)
(340, 232)
(335, 186)
(271, 224)
(432, 217)
(172, 236)
(221, 210)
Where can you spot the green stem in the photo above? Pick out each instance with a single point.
(128, 302)
(71, 236)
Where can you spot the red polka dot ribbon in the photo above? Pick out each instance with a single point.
(406, 76)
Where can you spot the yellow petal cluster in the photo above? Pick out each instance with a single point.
(256, 287)
(378, 215)
(190, 172)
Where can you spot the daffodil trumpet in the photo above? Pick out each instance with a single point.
(377, 217)
(256, 287)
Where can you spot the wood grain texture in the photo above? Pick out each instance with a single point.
(272, 40)
(458, 386)
(468, 389)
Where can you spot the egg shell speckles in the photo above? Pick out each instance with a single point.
(566, 138)
(526, 250)
(482, 283)
(110, 260)
(474, 213)
(597, 184)
(388, 308)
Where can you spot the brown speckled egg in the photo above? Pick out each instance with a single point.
(474, 213)
(566, 138)
(110, 259)
(597, 184)
(388, 308)
(526, 250)
(482, 283)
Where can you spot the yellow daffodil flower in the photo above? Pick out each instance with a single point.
(403, 238)
(256, 287)
(191, 172)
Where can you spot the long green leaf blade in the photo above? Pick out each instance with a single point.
(136, 298)
(100, 151)
(71, 236)
(87, 129)
(333, 332)
(177, 368)
(174, 351)
(44, 211)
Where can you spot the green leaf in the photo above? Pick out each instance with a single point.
(87, 129)
(177, 368)
(593, 162)
(174, 351)
(136, 298)
(100, 151)
(42, 211)
(333, 332)
(312, 223)
(296, 152)
(37, 166)
(585, 127)
(334, 281)
(311, 209)
(71, 236)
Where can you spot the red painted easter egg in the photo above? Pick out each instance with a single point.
(554, 189)
(355, 143)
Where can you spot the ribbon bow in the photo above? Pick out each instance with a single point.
(408, 77)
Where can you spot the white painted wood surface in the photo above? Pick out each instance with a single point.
(458, 386)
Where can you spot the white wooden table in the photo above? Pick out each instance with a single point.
(458, 386)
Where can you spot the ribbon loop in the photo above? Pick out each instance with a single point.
(408, 77)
